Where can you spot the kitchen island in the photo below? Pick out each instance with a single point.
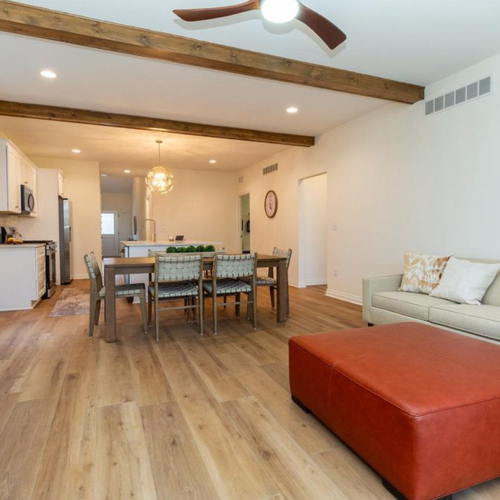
(141, 248)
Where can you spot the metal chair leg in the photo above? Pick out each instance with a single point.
(142, 298)
(271, 293)
(97, 312)
(157, 320)
(93, 307)
(214, 306)
(254, 306)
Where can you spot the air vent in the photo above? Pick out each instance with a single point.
(464, 94)
(270, 169)
(241, 180)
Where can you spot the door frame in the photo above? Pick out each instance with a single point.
(117, 232)
(240, 217)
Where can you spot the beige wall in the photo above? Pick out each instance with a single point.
(202, 206)
(82, 187)
(397, 181)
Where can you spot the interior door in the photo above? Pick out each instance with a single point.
(109, 234)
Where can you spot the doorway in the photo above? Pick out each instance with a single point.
(313, 231)
(110, 234)
(245, 223)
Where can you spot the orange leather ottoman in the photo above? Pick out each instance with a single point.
(419, 404)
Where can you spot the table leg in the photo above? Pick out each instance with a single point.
(282, 291)
(109, 282)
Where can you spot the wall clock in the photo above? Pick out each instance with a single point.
(271, 204)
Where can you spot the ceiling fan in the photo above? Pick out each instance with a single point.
(275, 11)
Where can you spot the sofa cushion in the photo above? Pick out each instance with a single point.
(415, 305)
(482, 320)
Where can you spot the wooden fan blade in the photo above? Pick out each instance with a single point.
(324, 28)
(216, 12)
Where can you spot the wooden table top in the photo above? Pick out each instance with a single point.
(117, 263)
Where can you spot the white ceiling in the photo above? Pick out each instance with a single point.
(122, 149)
(106, 81)
(418, 41)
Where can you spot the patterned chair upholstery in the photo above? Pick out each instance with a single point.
(233, 275)
(98, 293)
(176, 277)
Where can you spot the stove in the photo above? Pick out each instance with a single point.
(50, 265)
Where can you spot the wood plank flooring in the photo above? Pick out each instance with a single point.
(190, 417)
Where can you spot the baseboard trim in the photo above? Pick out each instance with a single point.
(296, 284)
(315, 282)
(80, 277)
(346, 297)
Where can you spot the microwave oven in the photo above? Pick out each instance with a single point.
(27, 200)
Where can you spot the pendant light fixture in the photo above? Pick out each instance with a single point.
(159, 179)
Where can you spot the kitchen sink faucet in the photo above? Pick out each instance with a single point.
(153, 234)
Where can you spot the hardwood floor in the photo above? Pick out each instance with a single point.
(190, 417)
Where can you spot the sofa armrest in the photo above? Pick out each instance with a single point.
(377, 284)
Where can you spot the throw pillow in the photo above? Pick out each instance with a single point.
(466, 282)
(422, 273)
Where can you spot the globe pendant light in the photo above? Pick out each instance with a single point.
(280, 11)
(159, 179)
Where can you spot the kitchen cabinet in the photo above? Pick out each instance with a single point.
(23, 276)
(15, 169)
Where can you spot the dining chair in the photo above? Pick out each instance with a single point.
(176, 278)
(272, 282)
(98, 293)
(233, 275)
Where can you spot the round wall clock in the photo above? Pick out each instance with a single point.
(271, 204)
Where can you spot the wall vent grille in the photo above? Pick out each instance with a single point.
(270, 169)
(463, 94)
(241, 180)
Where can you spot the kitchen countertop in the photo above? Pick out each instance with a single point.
(169, 243)
(24, 245)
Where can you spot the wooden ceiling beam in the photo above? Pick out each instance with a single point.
(77, 30)
(82, 116)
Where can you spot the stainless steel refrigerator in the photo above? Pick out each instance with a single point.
(65, 240)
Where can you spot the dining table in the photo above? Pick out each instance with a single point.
(114, 267)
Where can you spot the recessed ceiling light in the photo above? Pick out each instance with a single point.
(76, 151)
(47, 73)
(212, 161)
(292, 110)
(104, 175)
(127, 171)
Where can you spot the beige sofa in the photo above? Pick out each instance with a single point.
(383, 304)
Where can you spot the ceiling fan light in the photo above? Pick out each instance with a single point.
(280, 11)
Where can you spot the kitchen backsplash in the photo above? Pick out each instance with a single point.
(8, 220)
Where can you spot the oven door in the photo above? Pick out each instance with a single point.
(50, 263)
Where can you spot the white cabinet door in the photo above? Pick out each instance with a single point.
(14, 180)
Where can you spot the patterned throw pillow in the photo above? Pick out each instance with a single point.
(422, 273)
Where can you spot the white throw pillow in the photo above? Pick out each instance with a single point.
(465, 282)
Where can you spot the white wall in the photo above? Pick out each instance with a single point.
(202, 206)
(82, 187)
(313, 241)
(397, 181)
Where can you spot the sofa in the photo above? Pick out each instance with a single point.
(384, 304)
